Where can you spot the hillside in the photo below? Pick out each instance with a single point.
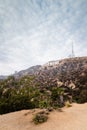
(68, 67)
(55, 68)
(30, 71)
(67, 72)
(65, 69)
(73, 118)
(50, 85)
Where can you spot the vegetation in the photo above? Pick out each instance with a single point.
(40, 117)
(25, 93)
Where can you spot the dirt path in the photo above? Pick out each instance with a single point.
(73, 118)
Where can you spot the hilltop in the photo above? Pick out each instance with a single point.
(63, 69)
(53, 68)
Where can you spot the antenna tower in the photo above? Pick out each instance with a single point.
(73, 55)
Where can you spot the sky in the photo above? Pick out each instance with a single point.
(34, 32)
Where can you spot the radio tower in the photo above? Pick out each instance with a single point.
(73, 55)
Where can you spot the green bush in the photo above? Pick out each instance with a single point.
(40, 118)
(43, 104)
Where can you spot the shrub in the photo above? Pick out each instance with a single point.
(83, 96)
(43, 104)
(40, 117)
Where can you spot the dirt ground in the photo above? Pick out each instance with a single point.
(73, 118)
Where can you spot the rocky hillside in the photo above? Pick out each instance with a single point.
(70, 72)
(68, 67)
(63, 69)
(30, 71)
(66, 70)
(50, 85)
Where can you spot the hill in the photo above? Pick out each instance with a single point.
(70, 72)
(55, 68)
(65, 69)
(50, 85)
(30, 71)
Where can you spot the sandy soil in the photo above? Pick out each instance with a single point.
(73, 118)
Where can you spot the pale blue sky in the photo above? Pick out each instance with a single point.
(36, 31)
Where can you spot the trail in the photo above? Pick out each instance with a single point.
(73, 118)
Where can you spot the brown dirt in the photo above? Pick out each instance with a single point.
(73, 118)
